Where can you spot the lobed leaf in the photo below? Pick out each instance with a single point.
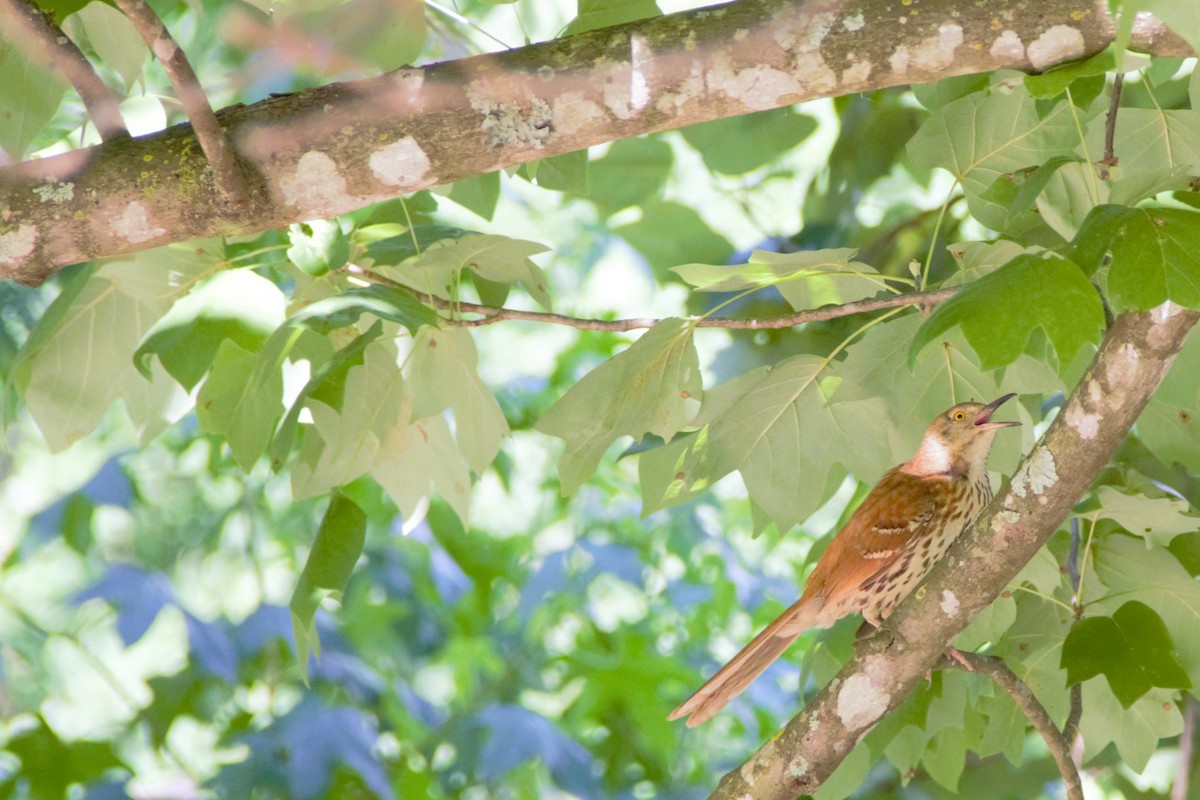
(652, 387)
(806, 279)
(236, 306)
(1132, 649)
(999, 312)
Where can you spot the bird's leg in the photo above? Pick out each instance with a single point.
(956, 654)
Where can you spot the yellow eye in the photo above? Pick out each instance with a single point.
(958, 416)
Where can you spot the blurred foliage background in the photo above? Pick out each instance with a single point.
(145, 641)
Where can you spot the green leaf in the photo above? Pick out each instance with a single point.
(806, 279)
(1017, 192)
(999, 312)
(983, 136)
(1132, 649)
(1136, 731)
(372, 433)
(1156, 150)
(234, 305)
(569, 172)
(1055, 81)
(876, 366)
(775, 426)
(328, 385)
(416, 455)
(318, 246)
(497, 258)
(595, 14)
(478, 193)
(1158, 519)
(392, 250)
(691, 239)
(652, 387)
(242, 399)
(51, 765)
(334, 553)
(114, 38)
(1155, 258)
(30, 96)
(442, 369)
(945, 757)
(630, 173)
(1154, 577)
(940, 93)
(737, 145)
(70, 377)
(1006, 726)
(343, 310)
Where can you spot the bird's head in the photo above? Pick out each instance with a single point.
(957, 442)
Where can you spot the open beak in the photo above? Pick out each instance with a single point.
(984, 420)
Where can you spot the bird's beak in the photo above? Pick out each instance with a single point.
(984, 420)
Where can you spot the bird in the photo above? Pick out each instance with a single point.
(901, 529)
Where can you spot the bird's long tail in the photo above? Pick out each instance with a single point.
(732, 679)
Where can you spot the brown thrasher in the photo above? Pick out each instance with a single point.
(892, 540)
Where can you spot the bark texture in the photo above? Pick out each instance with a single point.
(1131, 362)
(336, 148)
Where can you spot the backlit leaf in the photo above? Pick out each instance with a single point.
(443, 372)
(806, 279)
(652, 387)
(236, 305)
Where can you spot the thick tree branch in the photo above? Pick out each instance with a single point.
(1034, 711)
(35, 31)
(227, 173)
(1131, 362)
(339, 147)
(490, 315)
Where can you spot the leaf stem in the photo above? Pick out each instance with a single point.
(1093, 189)
(937, 230)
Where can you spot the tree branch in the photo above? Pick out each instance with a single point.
(491, 315)
(35, 31)
(337, 148)
(1006, 679)
(1131, 362)
(227, 173)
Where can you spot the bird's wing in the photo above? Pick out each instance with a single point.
(900, 508)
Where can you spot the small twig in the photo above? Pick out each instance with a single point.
(1187, 740)
(35, 31)
(1007, 680)
(226, 171)
(1110, 127)
(492, 315)
(1071, 725)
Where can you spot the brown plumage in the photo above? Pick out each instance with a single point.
(889, 545)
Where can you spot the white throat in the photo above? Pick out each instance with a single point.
(932, 458)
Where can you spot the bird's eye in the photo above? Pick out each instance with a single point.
(958, 416)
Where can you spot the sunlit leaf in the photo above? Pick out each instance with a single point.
(443, 372)
(235, 306)
(806, 279)
(652, 387)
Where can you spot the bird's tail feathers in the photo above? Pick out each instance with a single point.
(733, 678)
